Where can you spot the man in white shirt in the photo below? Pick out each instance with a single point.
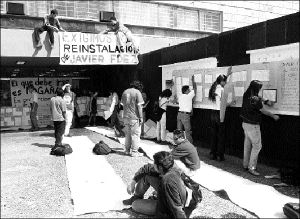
(33, 108)
(185, 101)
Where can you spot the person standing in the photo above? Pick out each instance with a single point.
(93, 108)
(51, 24)
(252, 110)
(33, 108)
(132, 102)
(114, 110)
(58, 112)
(69, 98)
(146, 101)
(185, 101)
(163, 101)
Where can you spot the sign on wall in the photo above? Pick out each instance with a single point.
(45, 87)
(78, 48)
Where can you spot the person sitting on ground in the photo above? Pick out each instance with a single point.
(51, 24)
(93, 108)
(174, 189)
(117, 27)
(185, 154)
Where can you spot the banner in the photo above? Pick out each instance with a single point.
(45, 87)
(78, 48)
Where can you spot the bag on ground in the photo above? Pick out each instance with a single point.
(61, 150)
(291, 210)
(102, 149)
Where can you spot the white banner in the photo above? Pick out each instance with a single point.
(78, 48)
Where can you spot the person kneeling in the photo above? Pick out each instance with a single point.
(185, 154)
(177, 194)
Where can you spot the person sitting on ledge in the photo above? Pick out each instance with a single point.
(117, 27)
(51, 24)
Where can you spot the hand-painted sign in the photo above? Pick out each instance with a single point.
(78, 48)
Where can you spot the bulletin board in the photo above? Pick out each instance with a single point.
(280, 84)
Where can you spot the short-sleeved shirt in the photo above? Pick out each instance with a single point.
(130, 100)
(69, 98)
(163, 102)
(58, 106)
(218, 92)
(251, 106)
(53, 21)
(186, 102)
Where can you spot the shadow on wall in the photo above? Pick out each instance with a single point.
(42, 145)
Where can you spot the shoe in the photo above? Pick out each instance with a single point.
(196, 198)
(52, 45)
(131, 200)
(68, 135)
(212, 156)
(158, 141)
(245, 168)
(39, 44)
(164, 142)
(137, 154)
(253, 172)
(221, 158)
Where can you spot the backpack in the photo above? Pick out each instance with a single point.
(102, 149)
(61, 150)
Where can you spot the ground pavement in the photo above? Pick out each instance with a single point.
(35, 184)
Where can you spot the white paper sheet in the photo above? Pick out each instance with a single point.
(239, 91)
(178, 81)
(198, 78)
(261, 75)
(94, 185)
(229, 97)
(270, 94)
(239, 76)
(185, 81)
(208, 79)
(199, 95)
(206, 92)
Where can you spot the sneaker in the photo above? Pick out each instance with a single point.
(253, 172)
(127, 153)
(196, 198)
(131, 200)
(52, 45)
(221, 158)
(137, 154)
(39, 44)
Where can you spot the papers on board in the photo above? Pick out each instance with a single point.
(261, 75)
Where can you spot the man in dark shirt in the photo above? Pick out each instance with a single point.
(185, 154)
(51, 24)
(171, 185)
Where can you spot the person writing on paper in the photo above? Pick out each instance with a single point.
(93, 108)
(251, 113)
(177, 194)
(185, 101)
(51, 24)
(132, 102)
(114, 110)
(216, 95)
(163, 101)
